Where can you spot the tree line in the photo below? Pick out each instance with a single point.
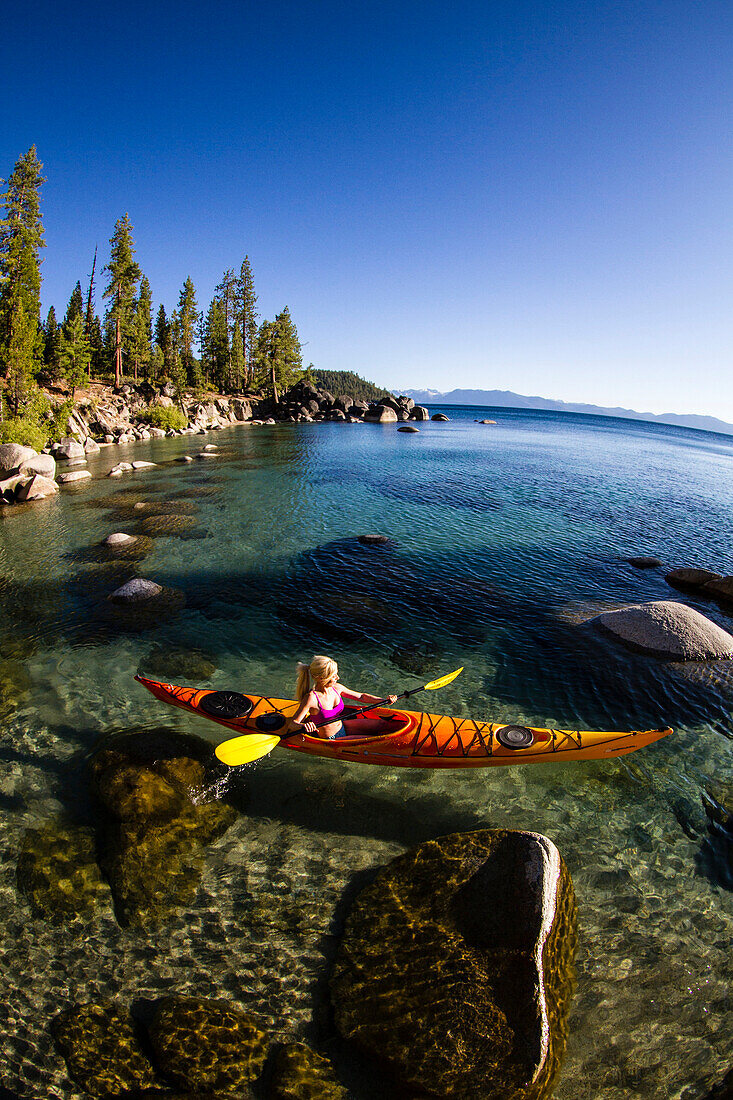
(236, 352)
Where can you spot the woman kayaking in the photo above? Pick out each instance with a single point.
(321, 707)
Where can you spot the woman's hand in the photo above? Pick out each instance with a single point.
(392, 698)
(310, 727)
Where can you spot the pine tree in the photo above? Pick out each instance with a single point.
(89, 317)
(52, 335)
(21, 361)
(92, 327)
(246, 302)
(74, 353)
(237, 363)
(178, 377)
(123, 277)
(226, 292)
(188, 318)
(215, 347)
(164, 340)
(21, 239)
(278, 359)
(142, 330)
(75, 307)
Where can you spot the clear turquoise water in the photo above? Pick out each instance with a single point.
(506, 538)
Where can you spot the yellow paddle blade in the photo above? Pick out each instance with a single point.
(243, 750)
(443, 680)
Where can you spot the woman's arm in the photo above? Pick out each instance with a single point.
(300, 718)
(364, 696)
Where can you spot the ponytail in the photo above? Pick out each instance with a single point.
(319, 667)
(303, 685)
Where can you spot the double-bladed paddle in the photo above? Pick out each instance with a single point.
(252, 746)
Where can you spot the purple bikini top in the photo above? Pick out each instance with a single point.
(327, 715)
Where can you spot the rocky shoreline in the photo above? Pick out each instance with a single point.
(109, 418)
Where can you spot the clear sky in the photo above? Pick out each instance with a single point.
(495, 194)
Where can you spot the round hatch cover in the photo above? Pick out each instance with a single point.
(226, 704)
(515, 737)
(270, 723)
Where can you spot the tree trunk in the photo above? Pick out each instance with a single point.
(118, 343)
(274, 384)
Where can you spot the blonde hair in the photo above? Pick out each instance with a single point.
(320, 668)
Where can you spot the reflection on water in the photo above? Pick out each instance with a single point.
(504, 540)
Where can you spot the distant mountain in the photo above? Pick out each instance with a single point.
(505, 399)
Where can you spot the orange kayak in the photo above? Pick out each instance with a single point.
(411, 739)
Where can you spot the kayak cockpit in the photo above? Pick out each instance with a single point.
(392, 723)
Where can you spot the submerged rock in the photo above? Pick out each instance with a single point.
(153, 827)
(15, 685)
(58, 872)
(102, 1051)
(455, 966)
(718, 804)
(667, 629)
(141, 604)
(160, 526)
(72, 476)
(301, 1074)
(644, 563)
(206, 1045)
(176, 664)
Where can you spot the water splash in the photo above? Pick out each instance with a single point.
(213, 791)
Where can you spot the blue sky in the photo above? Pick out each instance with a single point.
(508, 195)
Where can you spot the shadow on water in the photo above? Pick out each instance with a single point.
(313, 797)
(407, 604)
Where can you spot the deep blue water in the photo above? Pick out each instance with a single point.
(505, 539)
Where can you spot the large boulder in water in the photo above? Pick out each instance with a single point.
(720, 589)
(690, 579)
(45, 465)
(205, 1045)
(299, 1073)
(154, 826)
(103, 1053)
(69, 448)
(455, 966)
(12, 455)
(665, 628)
(381, 414)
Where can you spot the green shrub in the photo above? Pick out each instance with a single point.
(167, 418)
(57, 420)
(23, 430)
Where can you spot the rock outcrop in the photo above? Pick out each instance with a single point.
(455, 966)
(665, 628)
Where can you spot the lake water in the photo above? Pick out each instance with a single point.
(506, 538)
